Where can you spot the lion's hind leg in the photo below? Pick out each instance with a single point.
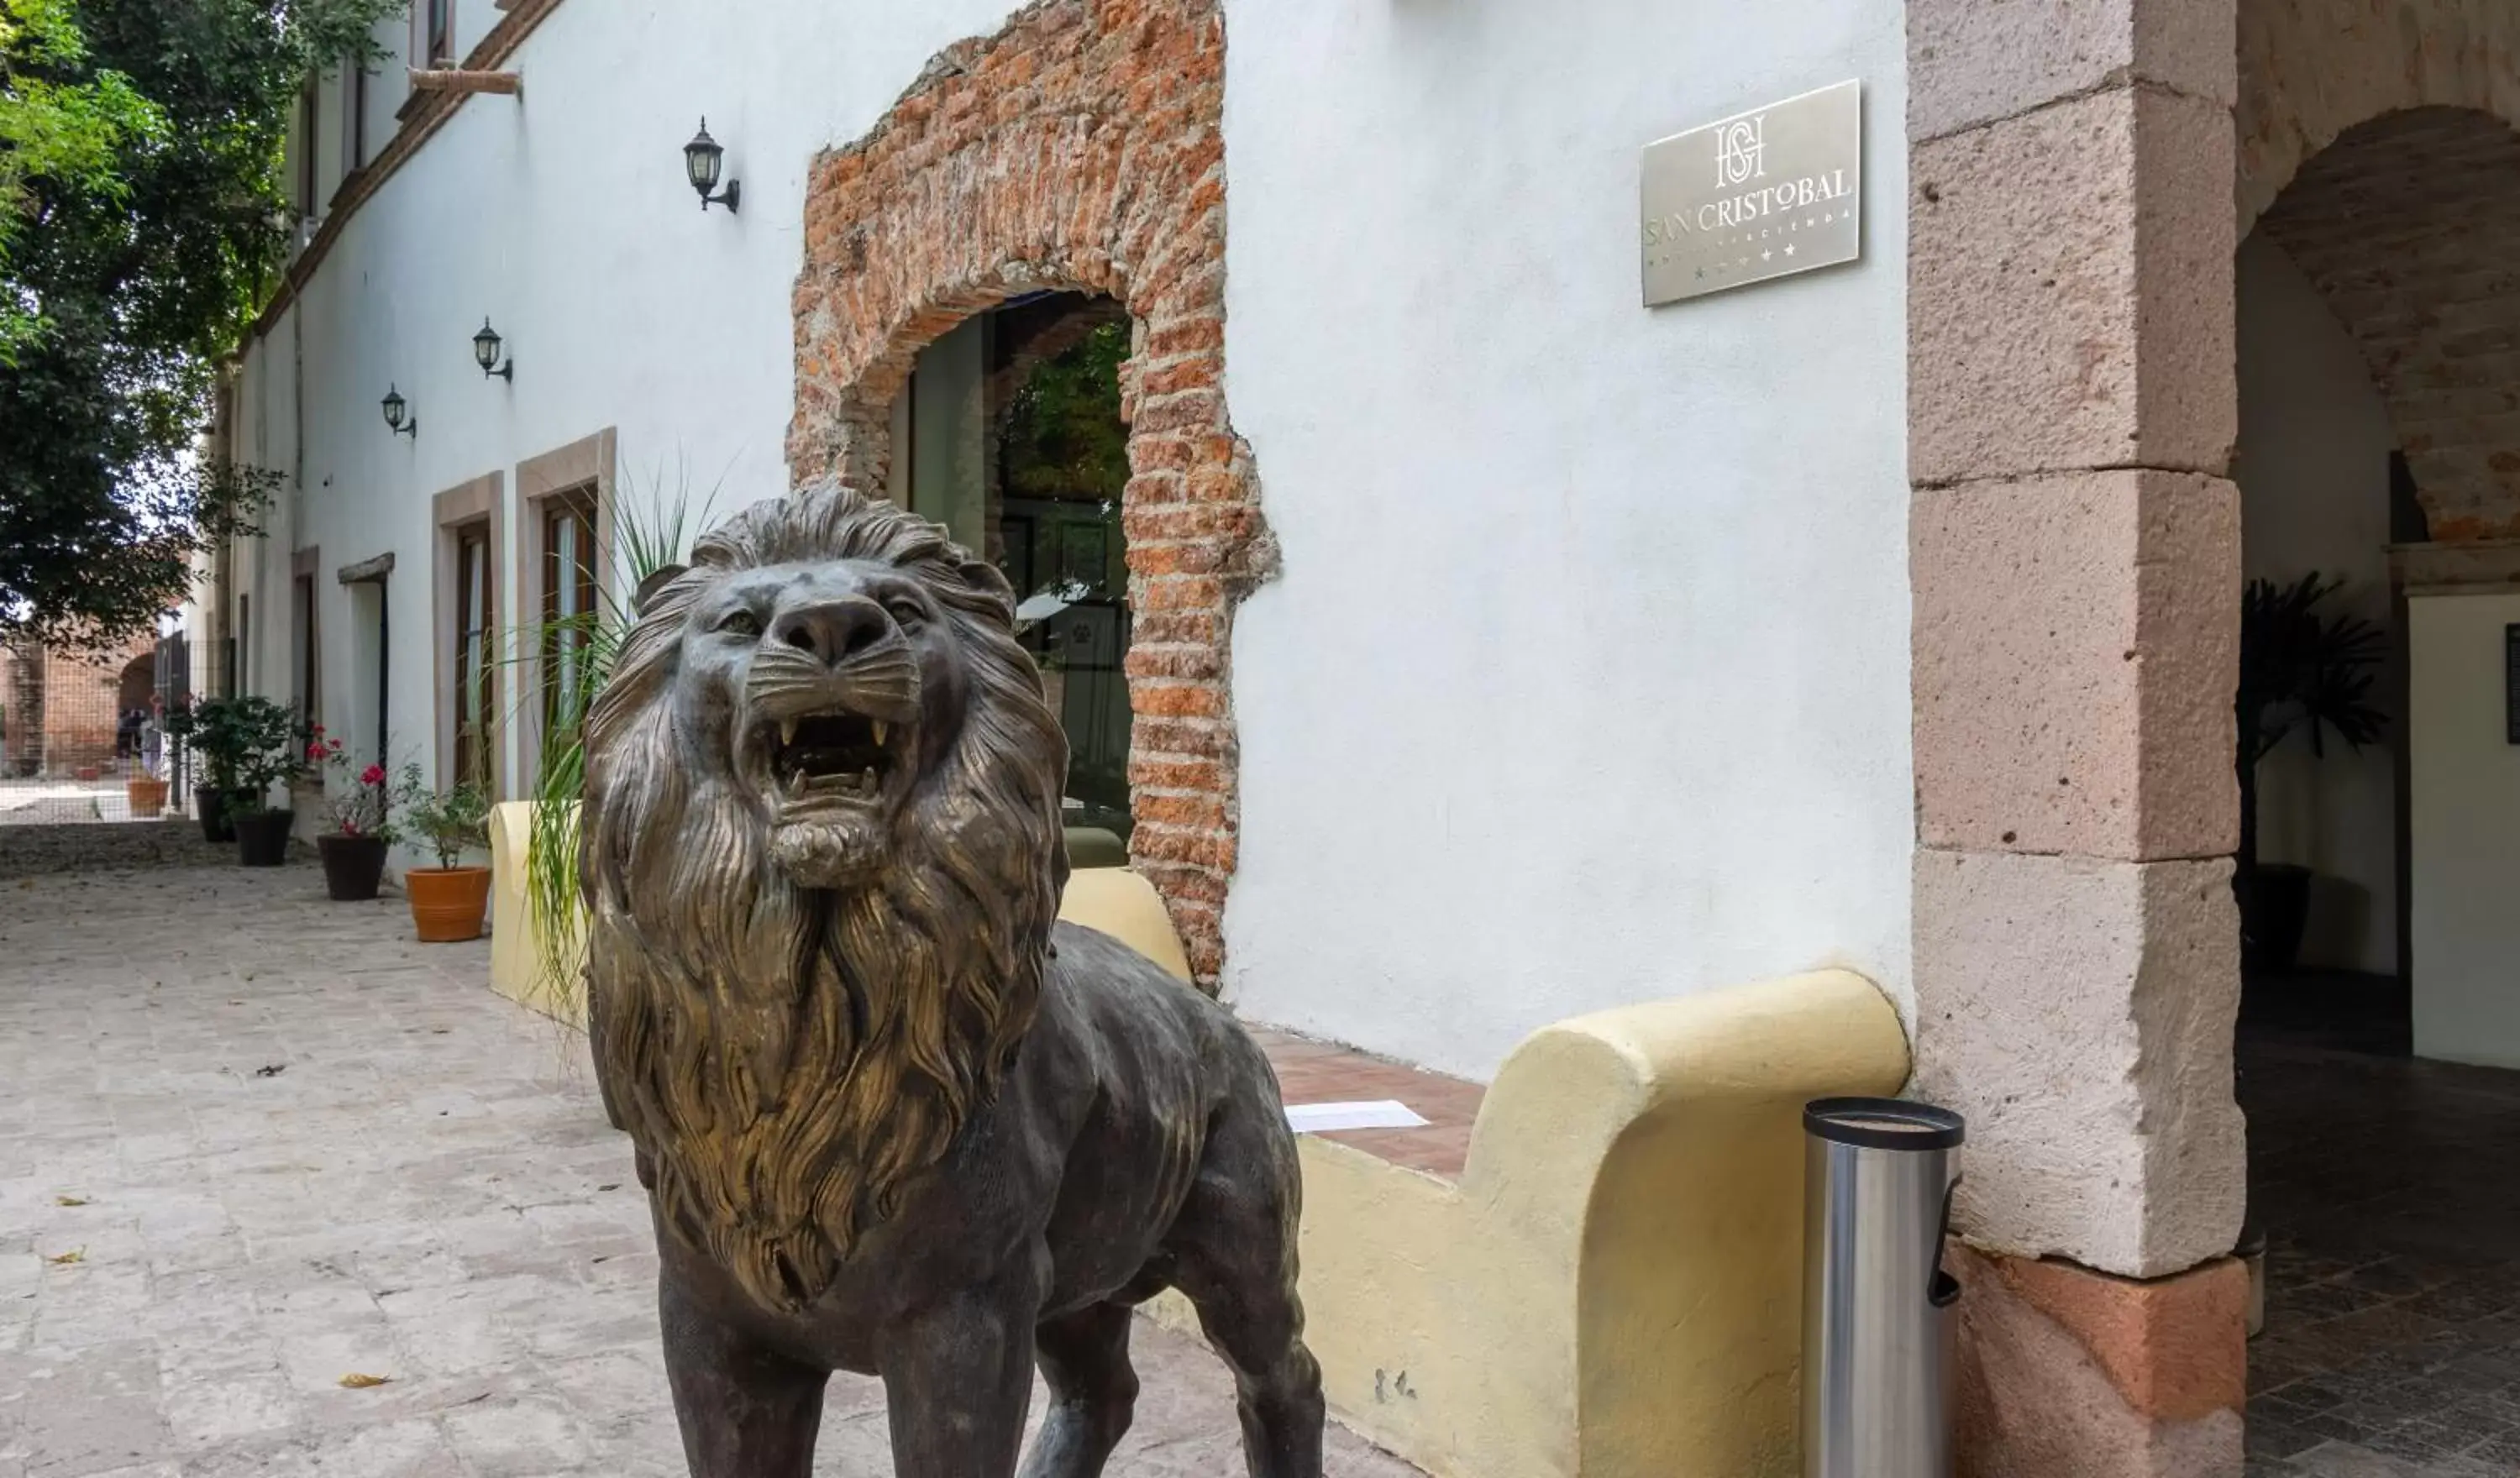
(1083, 1360)
(1234, 1251)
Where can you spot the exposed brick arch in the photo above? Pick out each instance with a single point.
(2311, 69)
(1078, 149)
(2410, 225)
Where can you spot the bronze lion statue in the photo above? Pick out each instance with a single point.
(893, 1118)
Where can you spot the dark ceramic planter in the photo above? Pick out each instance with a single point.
(262, 838)
(210, 804)
(354, 866)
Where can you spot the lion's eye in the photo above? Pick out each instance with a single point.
(740, 623)
(907, 613)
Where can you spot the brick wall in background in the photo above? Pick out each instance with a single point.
(1079, 149)
(83, 694)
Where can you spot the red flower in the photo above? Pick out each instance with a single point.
(337, 747)
(314, 751)
(373, 774)
(318, 729)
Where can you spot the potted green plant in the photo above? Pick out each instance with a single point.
(448, 901)
(361, 804)
(2302, 669)
(267, 757)
(213, 732)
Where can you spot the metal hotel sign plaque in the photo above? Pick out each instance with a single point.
(1763, 194)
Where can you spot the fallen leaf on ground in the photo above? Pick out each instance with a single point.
(272, 1071)
(69, 1200)
(354, 1381)
(75, 1255)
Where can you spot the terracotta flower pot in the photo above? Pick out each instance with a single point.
(146, 797)
(447, 904)
(262, 838)
(354, 866)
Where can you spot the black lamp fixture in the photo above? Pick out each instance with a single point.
(485, 353)
(395, 407)
(703, 158)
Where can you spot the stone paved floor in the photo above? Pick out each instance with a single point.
(253, 1143)
(2388, 1190)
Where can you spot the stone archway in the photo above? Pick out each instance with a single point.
(2080, 174)
(2410, 227)
(1079, 149)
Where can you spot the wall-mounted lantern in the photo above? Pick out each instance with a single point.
(395, 408)
(485, 353)
(702, 159)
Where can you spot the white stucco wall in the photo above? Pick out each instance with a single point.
(2465, 800)
(2314, 475)
(566, 219)
(1587, 677)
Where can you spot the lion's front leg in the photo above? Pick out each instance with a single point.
(956, 1380)
(746, 1411)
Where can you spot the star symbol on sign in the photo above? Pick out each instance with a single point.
(1701, 273)
(1790, 251)
(1767, 255)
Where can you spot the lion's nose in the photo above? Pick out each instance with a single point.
(835, 631)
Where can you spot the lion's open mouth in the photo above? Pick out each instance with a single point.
(830, 758)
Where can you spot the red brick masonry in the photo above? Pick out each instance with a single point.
(1079, 149)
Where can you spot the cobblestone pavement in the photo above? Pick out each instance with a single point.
(254, 1143)
(2392, 1346)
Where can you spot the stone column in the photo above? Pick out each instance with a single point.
(2075, 550)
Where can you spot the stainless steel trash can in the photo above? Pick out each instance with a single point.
(1878, 1176)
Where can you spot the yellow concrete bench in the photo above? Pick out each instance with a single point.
(1611, 1286)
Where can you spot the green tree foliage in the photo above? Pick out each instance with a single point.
(1063, 439)
(144, 222)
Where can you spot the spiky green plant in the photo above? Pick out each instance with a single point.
(649, 533)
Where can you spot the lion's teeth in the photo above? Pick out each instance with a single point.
(865, 782)
(880, 729)
(787, 731)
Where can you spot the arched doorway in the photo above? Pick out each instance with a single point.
(1068, 156)
(2081, 177)
(1011, 431)
(2379, 450)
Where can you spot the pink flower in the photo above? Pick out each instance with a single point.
(318, 729)
(373, 774)
(315, 751)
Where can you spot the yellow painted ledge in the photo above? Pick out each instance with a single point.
(516, 944)
(1614, 1287)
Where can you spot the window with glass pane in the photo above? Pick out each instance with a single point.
(441, 36)
(474, 707)
(1010, 434)
(568, 608)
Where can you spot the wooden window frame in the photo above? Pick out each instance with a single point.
(307, 599)
(425, 44)
(476, 509)
(577, 476)
(354, 116)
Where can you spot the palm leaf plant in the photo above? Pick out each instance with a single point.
(2304, 669)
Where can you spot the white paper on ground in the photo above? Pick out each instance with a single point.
(1326, 1118)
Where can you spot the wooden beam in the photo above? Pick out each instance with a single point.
(452, 80)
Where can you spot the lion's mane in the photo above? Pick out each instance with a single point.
(787, 1060)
